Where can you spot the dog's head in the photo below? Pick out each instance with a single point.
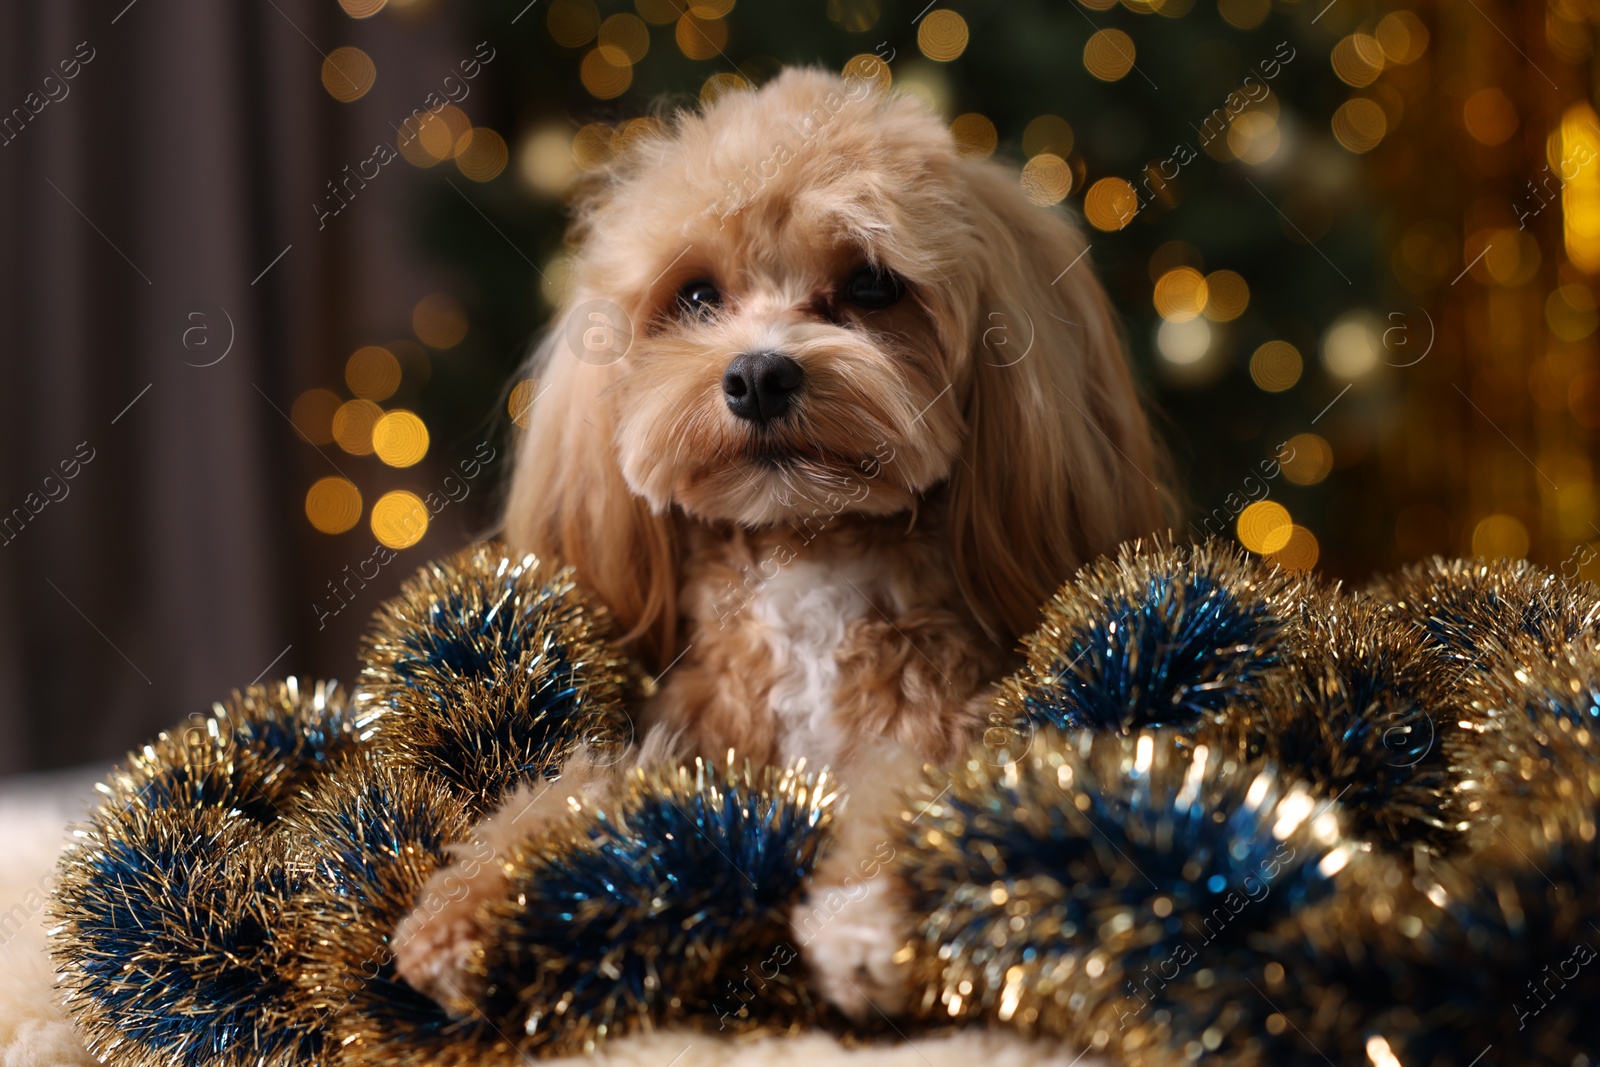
(803, 302)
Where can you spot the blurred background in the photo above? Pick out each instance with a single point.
(268, 269)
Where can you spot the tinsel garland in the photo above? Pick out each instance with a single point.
(485, 670)
(670, 906)
(1258, 820)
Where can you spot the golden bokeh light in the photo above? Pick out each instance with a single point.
(700, 38)
(1254, 136)
(1500, 535)
(1276, 366)
(433, 136)
(333, 505)
(1244, 14)
(347, 74)
(400, 438)
(721, 84)
(372, 373)
(573, 23)
(1265, 527)
(1311, 459)
(942, 35)
(312, 415)
(869, 68)
(1046, 179)
(1490, 116)
(1299, 552)
(1358, 60)
(1048, 133)
(482, 154)
(591, 147)
(710, 9)
(1570, 313)
(635, 130)
(1110, 204)
(624, 39)
(1402, 36)
(1360, 124)
(399, 519)
(519, 405)
(1227, 295)
(439, 321)
(660, 12)
(353, 423)
(603, 79)
(1109, 55)
(1181, 294)
(546, 158)
(362, 9)
(1580, 194)
(974, 134)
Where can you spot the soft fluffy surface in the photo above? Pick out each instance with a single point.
(34, 1032)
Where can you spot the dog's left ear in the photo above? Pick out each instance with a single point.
(1060, 464)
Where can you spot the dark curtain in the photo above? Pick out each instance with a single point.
(158, 208)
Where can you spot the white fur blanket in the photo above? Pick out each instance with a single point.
(35, 1032)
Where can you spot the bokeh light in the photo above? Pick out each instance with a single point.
(400, 438)
(519, 405)
(942, 35)
(1110, 204)
(721, 84)
(439, 321)
(1402, 36)
(1184, 343)
(1108, 55)
(1299, 552)
(1500, 535)
(1358, 60)
(1360, 124)
(1265, 526)
(399, 519)
(333, 505)
(869, 68)
(1244, 14)
(659, 12)
(1227, 295)
(372, 373)
(624, 39)
(700, 38)
(1048, 133)
(347, 74)
(604, 79)
(312, 415)
(1310, 459)
(573, 23)
(1352, 345)
(1490, 116)
(1180, 294)
(482, 154)
(547, 158)
(710, 9)
(974, 134)
(353, 423)
(855, 16)
(1276, 366)
(362, 9)
(1046, 179)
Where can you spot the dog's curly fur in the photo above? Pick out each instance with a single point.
(856, 572)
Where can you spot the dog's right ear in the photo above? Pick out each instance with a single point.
(568, 501)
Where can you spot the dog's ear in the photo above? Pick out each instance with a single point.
(1060, 464)
(568, 500)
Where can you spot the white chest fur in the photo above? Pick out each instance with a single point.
(803, 612)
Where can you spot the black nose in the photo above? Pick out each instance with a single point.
(758, 386)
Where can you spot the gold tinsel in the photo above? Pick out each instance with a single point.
(486, 670)
(669, 906)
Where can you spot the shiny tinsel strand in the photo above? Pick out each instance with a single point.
(1493, 961)
(251, 752)
(670, 907)
(368, 838)
(485, 670)
(1470, 607)
(1095, 887)
(1364, 715)
(169, 945)
(1160, 636)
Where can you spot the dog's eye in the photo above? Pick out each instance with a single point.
(872, 288)
(699, 299)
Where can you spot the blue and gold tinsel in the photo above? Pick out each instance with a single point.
(1242, 816)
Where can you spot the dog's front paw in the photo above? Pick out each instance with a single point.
(434, 945)
(852, 940)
